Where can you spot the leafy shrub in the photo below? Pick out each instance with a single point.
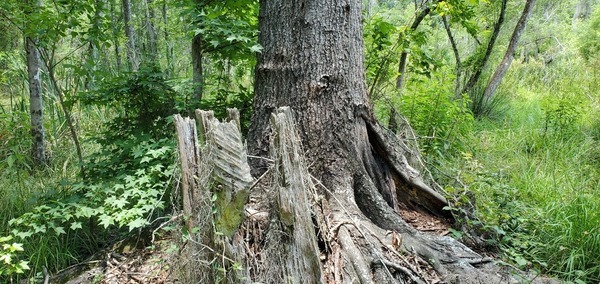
(128, 180)
(10, 262)
(140, 98)
(379, 56)
(561, 114)
(224, 99)
(439, 119)
(590, 38)
(495, 213)
(14, 147)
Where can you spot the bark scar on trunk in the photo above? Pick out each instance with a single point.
(409, 185)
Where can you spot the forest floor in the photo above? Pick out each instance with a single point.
(126, 262)
(142, 260)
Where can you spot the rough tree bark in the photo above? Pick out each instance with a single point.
(312, 61)
(36, 108)
(494, 82)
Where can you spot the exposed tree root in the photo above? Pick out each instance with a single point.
(299, 229)
(362, 239)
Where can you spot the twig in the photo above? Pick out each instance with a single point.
(164, 224)
(46, 275)
(259, 178)
(261, 158)
(402, 269)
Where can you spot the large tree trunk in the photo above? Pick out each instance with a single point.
(312, 61)
(494, 82)
(36, 109)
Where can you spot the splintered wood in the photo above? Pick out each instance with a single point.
(197, 206)
(291, 250)
(215, 175)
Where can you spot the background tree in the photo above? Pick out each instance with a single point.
(223, 32)
(36, 106)
(130, 34)
(495, 80)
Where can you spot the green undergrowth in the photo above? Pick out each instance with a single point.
(535, 173)
(23, 188)
(55, 216)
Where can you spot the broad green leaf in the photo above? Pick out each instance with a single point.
(106, 220)
(137, 223)
(75, 226)
(59, 231)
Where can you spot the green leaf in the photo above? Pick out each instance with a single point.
(5, 239)
(59, 231)
(137, 223)
(24, 235)
(120, 203)
(24, 265)
(15, 247)
(75, 226)
(106, 220)
(257, 48)
(520, 261)
(6, 258)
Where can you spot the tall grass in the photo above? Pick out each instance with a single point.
(546, 153)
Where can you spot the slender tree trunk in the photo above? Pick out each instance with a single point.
(404, 56)
(115, 34)
(197, 69)
(168, 43)
(370, 6)
(456, 56)
(152, 52)
(50, 66)
(480, 64)
(582, 10)
(510, 51)
(129, 32)
(36, 108)
(95, 32)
